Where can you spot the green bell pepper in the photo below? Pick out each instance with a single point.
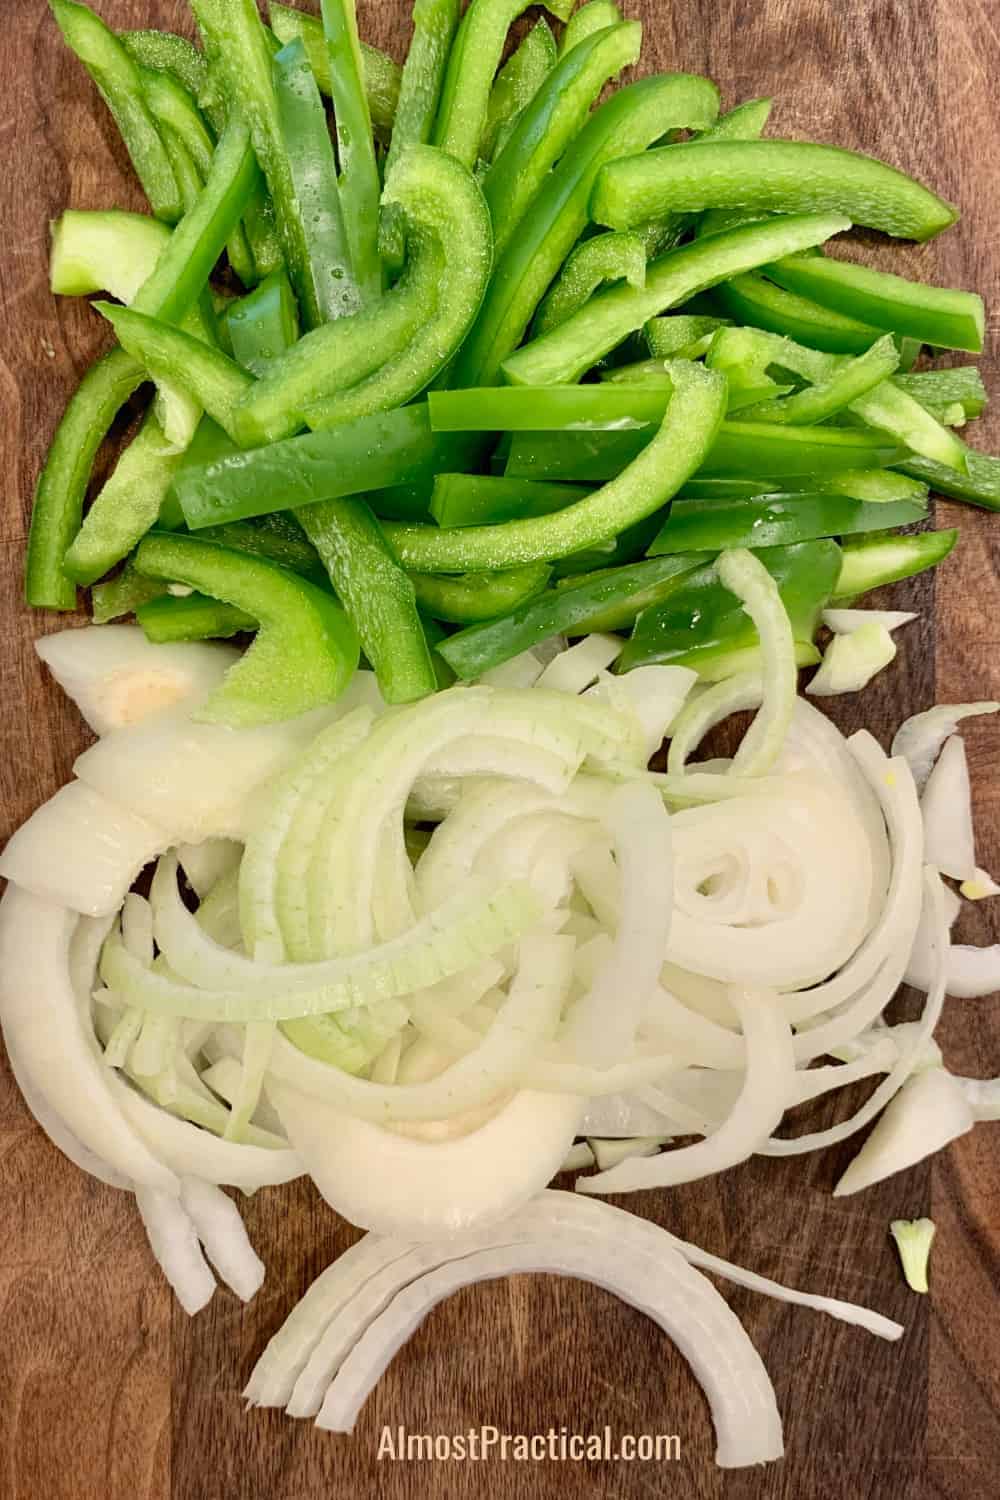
(768, 176)
(753, 300)
(264, 324)
(594, 16)
(379, 598)
(194, 617)
(558, 212)
(360, 184)
(382, 75)
(466, 598)
(122, 594)
(167, 53)
(850, 380)
(434, 26)
(305, 650)
(692, 420)
(549, 123)
(117, 78)
(608, 600)
(488, 499)
(571, 350)
(605, 258)
(472, 64)
(309, 152)
(776, 521)
(680, 335)
(517, 83)
(870, 562)
(577, 408)
(980, 485)
(937, 390)
(702, 625)
(933, 314)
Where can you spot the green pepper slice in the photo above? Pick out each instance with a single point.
(516, 84)
(488, 499)
(979, 486)
(776, 521)
(870, 562)
(264, 324)
(605, 258)
(305, 650)
(769, 176)
(933, 314)
(752, 300)
(465, 598)
(194, 617)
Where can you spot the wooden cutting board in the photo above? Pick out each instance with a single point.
(107, 1390)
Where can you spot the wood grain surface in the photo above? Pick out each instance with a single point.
(107, 1390)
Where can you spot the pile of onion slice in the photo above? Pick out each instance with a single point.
(419, 953)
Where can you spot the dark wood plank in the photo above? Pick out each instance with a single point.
(111, 1392)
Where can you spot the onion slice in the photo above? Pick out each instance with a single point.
(174, 1242)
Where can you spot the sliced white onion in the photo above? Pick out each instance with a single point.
(116, 677)
(919, 739)
(38, 1004)
(710, 707)
(174, 1242)
(607, 1153)
(654, 694)
(618, 1116)
(101, 849)
(205, 864)
(929, 1111)
(221, 1230)
(767, 1087)
(845, 621)
(851, 661)
(521, 671)
(971, 972)
(980, 887)
(579, 666)
(744, 575)
(983, 1095)
(577, 1157)
(946, 808)
(748, 1428)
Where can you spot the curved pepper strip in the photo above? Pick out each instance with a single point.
(550, 122)
(309, 149)
(594, 16)
(607, 600)
(517, 83)
(605, 258)
(360, 184)
(385, 354)
(166, 619)
(439, 200)
(768, 176)
(936, 315)
(938, 389)
(556, 408)
(378, 596)
(120, 85)
(472, 65)
(305, 651)
(692, 420)
(167, 53)
(979, 486)
(871, 562)
(776, 520)
(631, 119)
(752, 301)
(381, 74)
(851, 380)
(487, 499)
(469, 597)
(570, 350)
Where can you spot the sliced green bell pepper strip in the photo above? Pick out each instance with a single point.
(234, 35)
(933, 314)
(360, 184)
(740, 448)
(117, 78)
(472, 63)
(744, 123)
(550, 122)
(168, 53)
(122, 594)
(608, 600)
(816, 403)
(778, 176)
(516, 84)
(577, 408)
(568, 352)
(434, 26)
(194, 617)
(309, 151)
(385, 354)
(305, 651)
(680, 335)
(702, 625)
(873, 561)
(594, 16)
(627, 547)
(776, 521)
(104, 250)
(889, 409)
(558, 211)
(168, 353)
(466, 598)
(382, 75)
(876, 485)
(174, 108)
(126, 507)
(378, 596)
(264, 324)
(488, 499)
(938, 389)
(278, 538)
(605, 258)
(392, 448)
(189, 180)
(692, 420)
(979, 486)
(753, 300)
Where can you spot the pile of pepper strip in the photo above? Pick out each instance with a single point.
(489, 362)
